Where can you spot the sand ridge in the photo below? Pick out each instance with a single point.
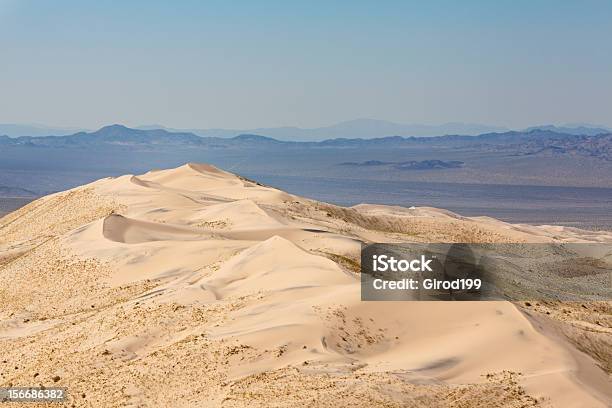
(195, 286)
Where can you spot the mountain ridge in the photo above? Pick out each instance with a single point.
(359, 128)
(520, 143)
(356, 128)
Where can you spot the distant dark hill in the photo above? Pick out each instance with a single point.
(428, 165)
(116, 134)
(366, 163)
(409, 165)
(255, 139)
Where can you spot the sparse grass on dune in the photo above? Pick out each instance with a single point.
(55, 215)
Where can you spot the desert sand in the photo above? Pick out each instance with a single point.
(197, 287)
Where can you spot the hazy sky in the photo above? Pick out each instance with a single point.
(243, 64)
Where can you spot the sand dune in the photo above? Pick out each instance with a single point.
(239, 214)
(122, 229)
(196, 287)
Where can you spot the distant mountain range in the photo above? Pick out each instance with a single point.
(358, 128)
(537, 157)
(576, 129)
(535, 141)
(120, 135)
(372, 128)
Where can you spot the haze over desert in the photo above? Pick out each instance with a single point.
(194, 286)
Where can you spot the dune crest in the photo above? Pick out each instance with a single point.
(239, 294)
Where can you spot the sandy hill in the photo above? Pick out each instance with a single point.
(197, 287)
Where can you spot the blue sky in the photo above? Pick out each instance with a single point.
(244, 64)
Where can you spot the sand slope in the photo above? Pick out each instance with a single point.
(196, 287)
